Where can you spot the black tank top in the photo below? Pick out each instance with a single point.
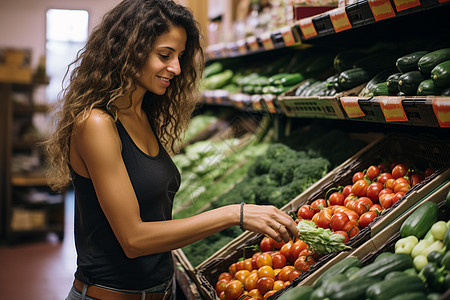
(101, 260)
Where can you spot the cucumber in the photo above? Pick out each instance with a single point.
(367, 91)
(325, 290)
(446, 92)
(388, 289)
(277, 77)
(427, 87)
(420, 221)
(385, 265)
(381, 89)
(351, 289)
(218, 80)
(305, 84)
(445, 261)
(409, 62)
(353, 77)
(429, 61)
(345, 60)
(301, 292)
(382, 255)
(409, 82)
(392, 83)
(441, 74)
(338, 268)
(411, 296)
(212, 69)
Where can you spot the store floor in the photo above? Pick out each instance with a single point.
(39, 269)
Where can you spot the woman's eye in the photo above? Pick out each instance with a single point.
(164, 56)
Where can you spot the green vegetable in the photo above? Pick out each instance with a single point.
(327, 289)
(350, 289)
(382, 255)
(212, 69)
(368, 90)
(446, 92)
(289, 79)
(379, 269)
(217, 81)
(409, 82)
(388, 289)
(409, 62)
(410, 296)
(433, 276)
(420, 261)
(420, 247)
(439, 229)
(427, 87)
(429, 61)
(351, 270)
(406, 245)
(435, 257)
(433, 296)
(381, 89)
(435, 246)
(346, 60)
(319, 240)
(353, 77)
(420, 221)
(445, 260)
(392, 83)
(394, 274)
(301, 292)
(446, 239)
(338, 268)
(441, 74)
(305, 84)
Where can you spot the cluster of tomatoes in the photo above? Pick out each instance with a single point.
(271, 269)
(353, 207)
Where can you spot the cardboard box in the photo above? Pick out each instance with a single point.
(13, 74)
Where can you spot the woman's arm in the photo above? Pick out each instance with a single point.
(98, 146)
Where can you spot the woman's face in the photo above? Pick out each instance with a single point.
(163, 63)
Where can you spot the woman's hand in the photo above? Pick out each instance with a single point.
(268, 219)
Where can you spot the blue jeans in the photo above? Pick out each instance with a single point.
(74, 294)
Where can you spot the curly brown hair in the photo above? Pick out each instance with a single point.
(106, 67)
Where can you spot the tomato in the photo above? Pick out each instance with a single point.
(373, 190)
(402, 187)
(225, 275)
(373, 172)
(286, 283)
(269, 293)
(266, 244)
(286, 249)
(351, 228)
(390, 183)
(319, 204)
(294, 274)
(278, 285)
(338, 221)
(397, 196)
(277, 245)
(264, 284)
(234, 289)
(415, 178)
(336, 198)
(348, 202)
(248, 264)
(255, 294)
(360, 187)
(324, 219)
(221, 285)
(399, 171)
(376, 208)
(386, 200)
(242, 275)
(344, 234)
(428, 172)
(306, 212)
(284, 273)
(357, 176)
(250, 282)
(384, 177)
(266, 271)
(278, 260)
(385, 191)
(384, 166)
(347, 190)
(232, 269)
(264, 259)
(362, 205)
(352, 215)
(254, 259)
(304, 263)
(297, 247)
(366, 218)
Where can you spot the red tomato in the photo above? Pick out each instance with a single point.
(269, 293)
(362, 205)
(297, 247)
(399, 171)
(278, 260)
(366, 218)
(397, 196)
(264, 284)
(254, 259)
(250, 282)
(232, 269)
(255, 294)
(385, 191)
(324, 219)
(376, 208)
(221, 285)
(386, 200)
(357, 176)
(360, 187)
(294, 274)
(384, 177)
(319, 204)
(348, 202)
(384, 166)
(315, 217)
(336, 198)
(428, 172)
(234, 289)
(277, 245)
(248, 264)
(284, 273)
(351, 228)
(264, 259)
(373, 172)
(304, 263)
(225, 275)
(347, 190)
(344, 234)
(373, 190)
(306, 212)
(266, 271)
(286, 249)
(415, 178)
(338, 221)
(278, 285)
(390, 183)
(352, 215)
(402, 187)
(266, 244)
(241, 275)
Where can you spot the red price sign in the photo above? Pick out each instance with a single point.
(442, 1)
(266, 39)
(307, 28)
(405, 4)
(288, 36)
(339, 19)
(382, 9)
(441, 108)
(351, 107)
(392, 109)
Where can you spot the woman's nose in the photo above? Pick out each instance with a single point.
(174, 66)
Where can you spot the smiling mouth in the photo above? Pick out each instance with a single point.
(164, 79)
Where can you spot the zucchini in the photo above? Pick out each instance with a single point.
(446, 92)
(218, 80)
(388, 289)
(429, 61)
(304, 85)
(445, 260)
(411, 296)
(383, 255)
(351, 289)
(392, 83)
(301, 292)
(381, 89)
(289, 79)
(367, 91)
(427, 87)
(346, 60)
(275, 77)
(350, 271)
(409, 82)
(433, 296)
(433, 276)
(385, 265)
(446, 240)
(353, 77)
(325, 290)
(441, 74)
(420, 221)
(212, 69)
(338, 268)
(408, 63)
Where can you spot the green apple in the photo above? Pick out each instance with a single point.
(406, 245)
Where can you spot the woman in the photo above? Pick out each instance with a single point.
(130, 96)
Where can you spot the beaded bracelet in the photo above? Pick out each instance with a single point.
(242, 217)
